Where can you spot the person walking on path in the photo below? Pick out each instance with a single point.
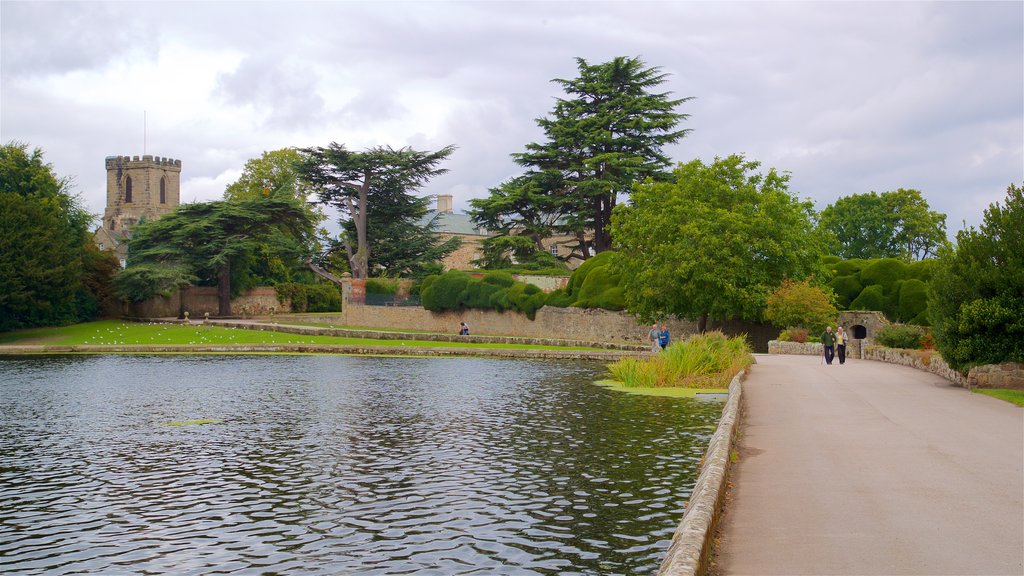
(828, 342)
(841, 345)
(663, 337)
(653, 337)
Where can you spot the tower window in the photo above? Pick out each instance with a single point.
(113, 224)
(128, 189)
(163, 190)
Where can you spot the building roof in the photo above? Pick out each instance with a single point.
(451, 223)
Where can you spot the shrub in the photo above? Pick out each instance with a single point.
(884, 272)
(580, 275)
(871, 298)
(444, 292)
(899, 336)
(921, 270)
(599, 280)
(850, 267)
(846, 288)
(800, 304)
(323, 298)
(381, 286)
(913, 300)
(559, 299)
(794, 335)
(709, 360)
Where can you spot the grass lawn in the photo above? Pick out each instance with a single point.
(116, 332)
(1012, 396)
(670, 391)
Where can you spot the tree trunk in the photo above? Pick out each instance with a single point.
(702, 324)
(224, 290)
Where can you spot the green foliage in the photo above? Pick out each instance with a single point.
(846, 288)
(456, 290)
(49, 272)
(709, 360)
(211, 241)
(606, 135)
(897, 224)
(372, 190)
(381, 286)
(794, 335)
(913, 301)
(899, 336)
(976, 296)
(902, 286)
(714, 242)
(884, 272)
(602, 288)
(560, 298)
(322, 297)
(800, 304)
(871, 298)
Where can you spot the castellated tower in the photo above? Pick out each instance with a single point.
(137, 189)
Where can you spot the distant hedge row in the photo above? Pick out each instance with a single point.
(592, 285)
(894, 287)
(455, 290)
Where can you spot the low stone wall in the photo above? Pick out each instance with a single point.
(1007, 375)
(927, 360)
(796, 348)
(690, 550)
(199, 300)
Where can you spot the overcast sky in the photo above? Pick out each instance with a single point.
(847, 97)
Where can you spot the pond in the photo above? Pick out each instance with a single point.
(337, 465)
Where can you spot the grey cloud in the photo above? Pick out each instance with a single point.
(42, 38)
(286, 91)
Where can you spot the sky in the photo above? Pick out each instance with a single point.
(848, 98)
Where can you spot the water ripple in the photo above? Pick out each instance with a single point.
(337, 465)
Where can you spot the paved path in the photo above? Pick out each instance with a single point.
(872, 468)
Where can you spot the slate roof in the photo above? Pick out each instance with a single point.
(451, 223)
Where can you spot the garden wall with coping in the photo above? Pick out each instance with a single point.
(796, 348)
(690, 551)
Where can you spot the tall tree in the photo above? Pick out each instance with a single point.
(604, 137)
(713, 243)
(346, 180)
(280, 258)
(206, 241)
(404, 239)
(896, 224)
(976, 296)
(44, 246)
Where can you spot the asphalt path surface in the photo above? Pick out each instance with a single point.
(872, 468)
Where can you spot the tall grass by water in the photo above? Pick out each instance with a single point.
(709, 360)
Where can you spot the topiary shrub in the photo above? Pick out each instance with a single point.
(846, 288)
(559, 299)
(884, 272)
(871, 298)
(444, 292)
(600, 280)
(850, 267)
(899, 336)
(921, 270)
(580, 275)
(913, 300)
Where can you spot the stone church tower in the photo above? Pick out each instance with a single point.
(137, 190)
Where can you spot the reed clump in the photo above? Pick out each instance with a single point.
(708, 360)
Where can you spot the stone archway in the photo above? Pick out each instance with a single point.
(861, 327)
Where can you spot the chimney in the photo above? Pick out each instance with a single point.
(444, 203)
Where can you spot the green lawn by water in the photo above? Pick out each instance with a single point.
(1012, 396)
(117, 333)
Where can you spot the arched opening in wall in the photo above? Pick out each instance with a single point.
(859, 332)
(128, 189)
(113, 224)
(163, 190)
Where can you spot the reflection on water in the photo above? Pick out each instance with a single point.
(337, 465)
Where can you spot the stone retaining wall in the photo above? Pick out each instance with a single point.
(1007, 375)
(690, 550)
(198, 300)
(796, 348)
(927, 360)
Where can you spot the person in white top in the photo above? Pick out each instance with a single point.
(841, 345)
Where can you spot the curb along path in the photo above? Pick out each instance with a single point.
(871, 468)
